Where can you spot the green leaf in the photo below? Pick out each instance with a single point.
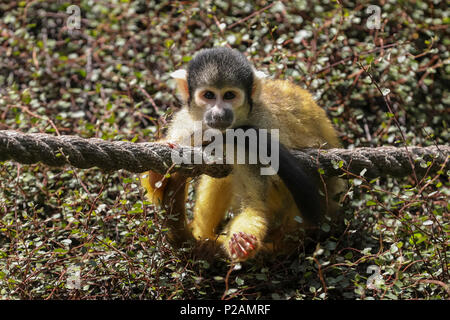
(186, 58)
(168, 43)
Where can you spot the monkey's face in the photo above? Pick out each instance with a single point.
(219, 106)
(219, 87)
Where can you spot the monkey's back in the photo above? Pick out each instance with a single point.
(292, 110)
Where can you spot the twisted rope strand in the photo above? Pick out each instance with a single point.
(57, 151)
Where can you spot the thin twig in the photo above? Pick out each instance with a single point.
(231, 26)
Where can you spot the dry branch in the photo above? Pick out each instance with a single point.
(139, 157)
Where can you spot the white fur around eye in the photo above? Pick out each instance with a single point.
(199, 98)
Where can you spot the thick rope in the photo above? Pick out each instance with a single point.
(83, 153)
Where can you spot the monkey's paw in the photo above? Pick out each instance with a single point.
(242, 246)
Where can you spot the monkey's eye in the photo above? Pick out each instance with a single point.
(229, 95)
(209, 95)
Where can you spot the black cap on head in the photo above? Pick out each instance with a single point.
(220, 67)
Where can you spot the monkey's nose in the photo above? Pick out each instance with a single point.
(220, 119)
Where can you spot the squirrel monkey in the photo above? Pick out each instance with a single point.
(221, 90)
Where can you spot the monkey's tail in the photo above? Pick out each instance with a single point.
(301, 185)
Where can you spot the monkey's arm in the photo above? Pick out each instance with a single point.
(246, 232)
(155, 185)
(169, 193)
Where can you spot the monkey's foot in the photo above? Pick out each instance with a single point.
(242, 246)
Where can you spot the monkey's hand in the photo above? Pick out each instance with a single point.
(155, 185)
(242, 246)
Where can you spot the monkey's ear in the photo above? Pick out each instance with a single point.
(180, 77)
(257, 83)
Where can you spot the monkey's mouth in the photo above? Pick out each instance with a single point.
(219, 122)
(220, 126)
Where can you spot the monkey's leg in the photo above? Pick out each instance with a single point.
(212, 201)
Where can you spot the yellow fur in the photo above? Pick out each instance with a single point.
(154, 184)
(204, 224)
(262, 205)
(291, 109)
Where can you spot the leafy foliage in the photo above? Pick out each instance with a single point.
(109, 79)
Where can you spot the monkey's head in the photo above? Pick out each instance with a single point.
(219, 87)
